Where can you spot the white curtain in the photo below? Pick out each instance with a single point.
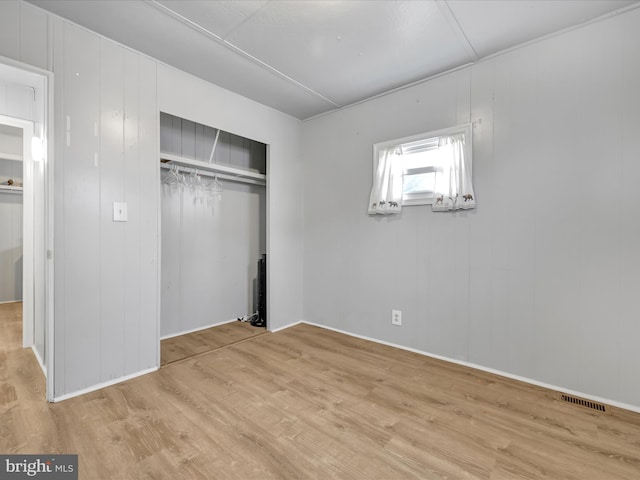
(453, 188)
(386, 191)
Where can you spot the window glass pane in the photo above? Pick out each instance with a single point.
(422, 182)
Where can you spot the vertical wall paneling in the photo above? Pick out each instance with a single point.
(60, 132)
(97, 320)
(543, 268)
(34, 35)
(188, 135)
(190, 259)
(81, 191)
(106, 271)
(517, 124)
(223, 149)
(170, 264)
(132, 195)
(10, 29)
(557, 236)
(200, 147)
(23, 97)
(112, 189)
(628, 333)
(149, 207)
(195, 141)
(602, 226)
(81, 215)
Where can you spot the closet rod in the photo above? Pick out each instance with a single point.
(222, 176)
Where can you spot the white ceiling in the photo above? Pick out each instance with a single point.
(309, 57)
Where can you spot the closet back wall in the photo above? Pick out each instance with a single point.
(209, 255)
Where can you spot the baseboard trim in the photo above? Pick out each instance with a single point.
(10, 301)
(39, 359)
(289, 326)
(595, 398)
(102, 385)
(197, 329)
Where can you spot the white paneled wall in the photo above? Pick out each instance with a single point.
(106, 283)
(24, 33)
(106, 149)
(106, 126)
(541, 279)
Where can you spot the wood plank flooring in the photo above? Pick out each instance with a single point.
(308, 403)
(10, 326)
(196, 343)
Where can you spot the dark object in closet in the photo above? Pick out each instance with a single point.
(261, 319)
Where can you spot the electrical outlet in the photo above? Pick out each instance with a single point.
(396, 317)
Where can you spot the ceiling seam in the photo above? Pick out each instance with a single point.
(486, 58)
(393, 90)
(200, 29)
(447, 13)
(245, 20)
(284, 76)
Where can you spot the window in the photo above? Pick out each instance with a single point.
(428, 169)
(420, 161)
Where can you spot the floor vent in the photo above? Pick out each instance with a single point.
(581, 402)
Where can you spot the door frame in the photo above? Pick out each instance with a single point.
(42, 83)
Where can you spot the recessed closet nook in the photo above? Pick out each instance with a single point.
(213, 238)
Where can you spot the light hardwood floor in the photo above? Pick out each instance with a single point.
(308, 403)
(185, 346)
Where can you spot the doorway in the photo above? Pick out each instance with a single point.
(11, 214)
(17, 207)
(25, 193)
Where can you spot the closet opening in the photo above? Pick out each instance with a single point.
(213, 238)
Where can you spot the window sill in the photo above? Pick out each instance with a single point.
(416, 202)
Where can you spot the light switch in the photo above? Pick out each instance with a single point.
(119, 212)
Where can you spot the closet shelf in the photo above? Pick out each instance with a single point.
(10, 156)
(223, 171)
(10, 189)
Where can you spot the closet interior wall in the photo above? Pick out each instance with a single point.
(10, 216)
(210, 251)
